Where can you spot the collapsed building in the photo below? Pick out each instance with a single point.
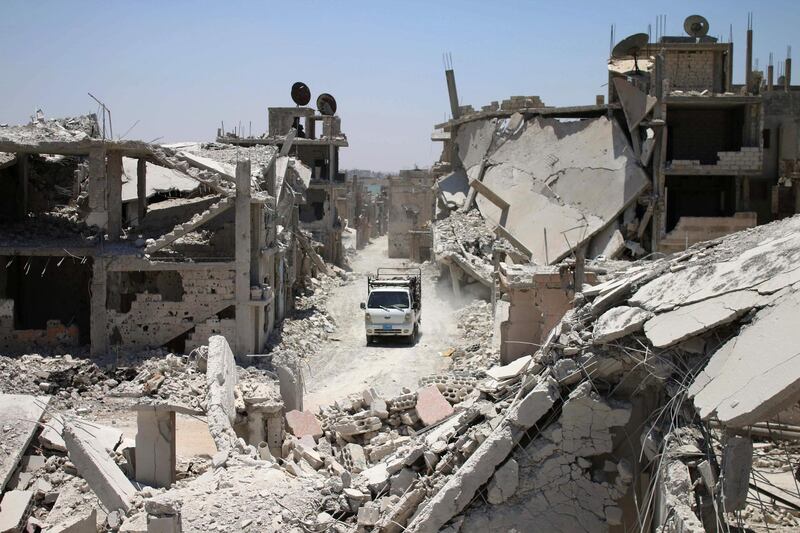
(678, 155)
(125, 245)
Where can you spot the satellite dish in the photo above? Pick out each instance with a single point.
(301, 94)
(631, 46)
(695, 26)
(326, 104)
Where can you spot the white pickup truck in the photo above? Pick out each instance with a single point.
(394, 304)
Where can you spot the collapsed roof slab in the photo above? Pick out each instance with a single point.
(767, 266)
(159, 180)
(564, 181)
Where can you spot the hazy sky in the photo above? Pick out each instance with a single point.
(181, 67)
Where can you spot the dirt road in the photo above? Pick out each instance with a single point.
(348, 365)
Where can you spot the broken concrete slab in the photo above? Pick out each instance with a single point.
(739, 389)
(755, 264)
(98, 469)
(511, 370)
(608, 243)
(15, 506)
(636, 104)
(474, 140)
(85, 522)
(20, 415)
(464, 483)
(432, 406)
(672, 327)
(504, 483)
(535, 404)
(302, 423)
(51, 436)
(619, 322)
(453, 188)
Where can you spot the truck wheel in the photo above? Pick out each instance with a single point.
(369, 340)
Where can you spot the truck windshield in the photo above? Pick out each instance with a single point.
(398, 300)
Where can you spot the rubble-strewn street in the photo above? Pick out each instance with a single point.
(579, 318)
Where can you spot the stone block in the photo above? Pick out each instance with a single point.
(432, 406)
(301, 423)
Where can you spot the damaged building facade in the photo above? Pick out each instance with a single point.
(124, 245)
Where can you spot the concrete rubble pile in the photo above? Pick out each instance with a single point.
(466, 240)
(606, 414)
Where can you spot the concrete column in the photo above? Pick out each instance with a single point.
(256, 427)
(452, 92)
(745, 193)
(141, 188)
(275, 433)
(331, 164)
(796, 197)
(114, 192)
(22, 187)
(155, 447)
(245, 334)
(770, 76)
(787, 75)
(658, 200)
(257, 269)
(99, 315)
(748, 63)
(98, 213)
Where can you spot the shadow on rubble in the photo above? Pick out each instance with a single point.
(394, 342)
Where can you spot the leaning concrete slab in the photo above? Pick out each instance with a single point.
(740, 389)
(221, 378)
(51, 436)
(561, 201)
(21, 413)
(98, 469)
(635, 103)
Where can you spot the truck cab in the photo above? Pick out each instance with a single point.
(393, 307)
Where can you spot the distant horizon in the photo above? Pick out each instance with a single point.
(181, 68)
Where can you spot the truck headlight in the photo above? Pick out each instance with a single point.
(368, 318)
(408, 317)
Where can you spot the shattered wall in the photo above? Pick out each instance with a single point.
(152, 320)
